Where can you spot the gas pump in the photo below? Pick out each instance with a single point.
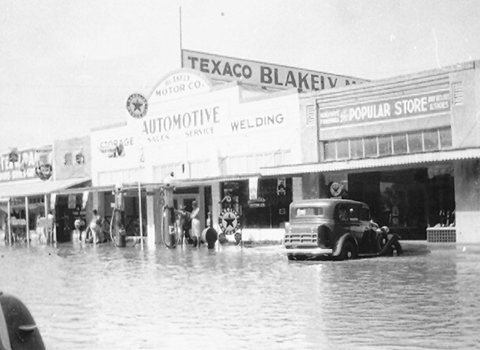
(170, 235)
(117, 226)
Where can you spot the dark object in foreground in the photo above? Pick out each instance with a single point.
(18, 330)
(335, 229)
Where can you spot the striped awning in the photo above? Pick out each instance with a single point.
(371, 163)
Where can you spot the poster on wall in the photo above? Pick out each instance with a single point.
(43, 163)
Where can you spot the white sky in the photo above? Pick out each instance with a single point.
(69, 66)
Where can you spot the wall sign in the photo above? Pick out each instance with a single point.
(116, 147)
(137, 106)
(409, 106)
(28, 164)
(178, 84)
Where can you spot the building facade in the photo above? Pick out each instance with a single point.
(30, 180)
(213, 140)
(408, 146)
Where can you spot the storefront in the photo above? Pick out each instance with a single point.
(30, 180)
(408, 146)
(211, 141)
(208, 129)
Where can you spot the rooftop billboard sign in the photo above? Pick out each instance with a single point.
(269, 76)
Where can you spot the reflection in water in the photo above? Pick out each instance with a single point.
(85, 297)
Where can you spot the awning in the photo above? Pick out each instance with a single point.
(210, 180)
(38, 187)
(370, 163)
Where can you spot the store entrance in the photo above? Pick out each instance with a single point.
(407, 201)
(184, 197)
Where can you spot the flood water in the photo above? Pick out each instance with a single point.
(85, 297)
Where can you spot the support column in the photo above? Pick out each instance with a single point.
(310, 186)
(201, 214)
(158, 203)
(467, 200)
(150, 219)
(27, 220)
(9, 224)
(216, 206)
(297, 189)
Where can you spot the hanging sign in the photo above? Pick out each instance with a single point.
(281, 186)
(72, 201)
(253, 188)
(84, 199)
(53, 198)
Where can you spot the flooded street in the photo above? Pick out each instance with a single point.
(85, 297)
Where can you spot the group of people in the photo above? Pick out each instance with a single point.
(189, 225)
(94, 233)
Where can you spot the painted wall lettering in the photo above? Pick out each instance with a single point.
(410, 106)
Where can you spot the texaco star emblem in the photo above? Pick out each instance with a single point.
(229, 221)
(137, 106)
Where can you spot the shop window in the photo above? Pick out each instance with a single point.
(271, 207)
(415, 143)
(371, 147)
(445, 138)
(329, 150)
(400, 144)
(430, 139)
(385, 145)
(342, 149)
(356, 149)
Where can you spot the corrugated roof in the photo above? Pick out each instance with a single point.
(370, 163)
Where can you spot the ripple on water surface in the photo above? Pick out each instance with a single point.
(85, 297)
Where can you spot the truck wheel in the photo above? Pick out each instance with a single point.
(396, 249)
(348, 251)
(381, 242)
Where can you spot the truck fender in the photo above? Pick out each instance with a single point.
(324, 235)
(338, 246)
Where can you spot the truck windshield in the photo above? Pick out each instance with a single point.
(307, 211)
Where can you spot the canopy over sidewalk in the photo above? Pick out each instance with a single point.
(29, 188)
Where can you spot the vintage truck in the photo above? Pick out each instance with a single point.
(335, 229)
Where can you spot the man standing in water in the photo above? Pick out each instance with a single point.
(96, 228)
(195, 224)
